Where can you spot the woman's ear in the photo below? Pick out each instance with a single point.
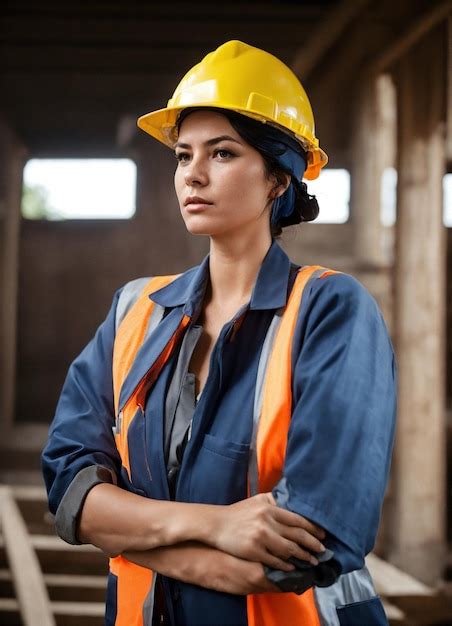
(282, 182)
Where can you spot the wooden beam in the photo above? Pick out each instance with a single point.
(12, 158)
(325, 35)
(416, 31)
(418, 534)
(27, 575)
(449, 92)
(394, 614)
(200, 11)
(62, 609)
(391, 581)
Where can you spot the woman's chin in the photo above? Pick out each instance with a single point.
(203, 227)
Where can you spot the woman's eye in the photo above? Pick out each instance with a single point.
(223, 154)
(181, 156)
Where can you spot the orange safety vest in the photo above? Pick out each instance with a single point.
(135, 583)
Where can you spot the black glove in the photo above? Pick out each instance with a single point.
(306, 575)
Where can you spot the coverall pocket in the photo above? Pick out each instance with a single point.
(369, 612)
(219, 472)
(230, 449)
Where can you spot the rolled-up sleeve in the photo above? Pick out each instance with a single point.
(80, 451)
(343, 422)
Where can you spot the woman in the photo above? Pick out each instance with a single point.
(244, 376)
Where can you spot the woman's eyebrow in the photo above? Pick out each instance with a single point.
(209, 142)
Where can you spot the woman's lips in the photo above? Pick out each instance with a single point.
(194, 207)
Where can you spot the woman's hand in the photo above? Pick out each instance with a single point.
(241, 578)
(257, 530)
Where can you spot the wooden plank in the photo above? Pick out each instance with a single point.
(9, 604)
(27, 576)
(70, 580)
(391, 581)
(34, 493)
(60, 608)
(393, 613)
(65, 580)
(54, 543)
(78, 608)
(63, 587)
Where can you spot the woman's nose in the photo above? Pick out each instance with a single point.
(195, 173)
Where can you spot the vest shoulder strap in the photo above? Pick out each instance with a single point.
(136, 316)
(128, 296)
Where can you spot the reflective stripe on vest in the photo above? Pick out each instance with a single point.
(272, 414)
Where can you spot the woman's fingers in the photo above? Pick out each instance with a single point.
(301, 537)
(276, 563)
(285, 549)
(298, 521)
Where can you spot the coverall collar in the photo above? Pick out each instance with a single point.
(269, 292)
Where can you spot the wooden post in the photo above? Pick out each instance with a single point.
(12, 157)
(449, 92)
(418, 528)
(373, 150)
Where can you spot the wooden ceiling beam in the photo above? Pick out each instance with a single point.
(109, 59)
(325, 35)
(168, 10)
(151, 31)
(414, 33)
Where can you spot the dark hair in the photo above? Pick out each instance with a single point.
(256, 134)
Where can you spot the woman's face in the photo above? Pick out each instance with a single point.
(220, 180)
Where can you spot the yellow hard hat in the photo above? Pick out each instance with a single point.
(248, 80)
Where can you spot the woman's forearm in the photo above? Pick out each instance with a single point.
(201, 565)
(254, 529)
(116, 520)
(189, 562)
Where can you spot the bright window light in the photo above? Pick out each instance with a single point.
(332, 190)
(82, 189)
(388, 197)
(447, 200)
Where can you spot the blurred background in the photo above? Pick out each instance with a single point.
(87, 203)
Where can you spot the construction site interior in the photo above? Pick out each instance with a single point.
(74, 77)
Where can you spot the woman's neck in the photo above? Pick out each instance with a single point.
(234, 266)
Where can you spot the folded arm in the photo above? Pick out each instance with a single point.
(255, 529)
(199, 564)
(343, 420)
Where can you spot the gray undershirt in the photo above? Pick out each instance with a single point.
(180, 404)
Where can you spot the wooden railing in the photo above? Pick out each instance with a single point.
(27, 577)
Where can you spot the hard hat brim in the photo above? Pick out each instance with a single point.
(161, 124)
